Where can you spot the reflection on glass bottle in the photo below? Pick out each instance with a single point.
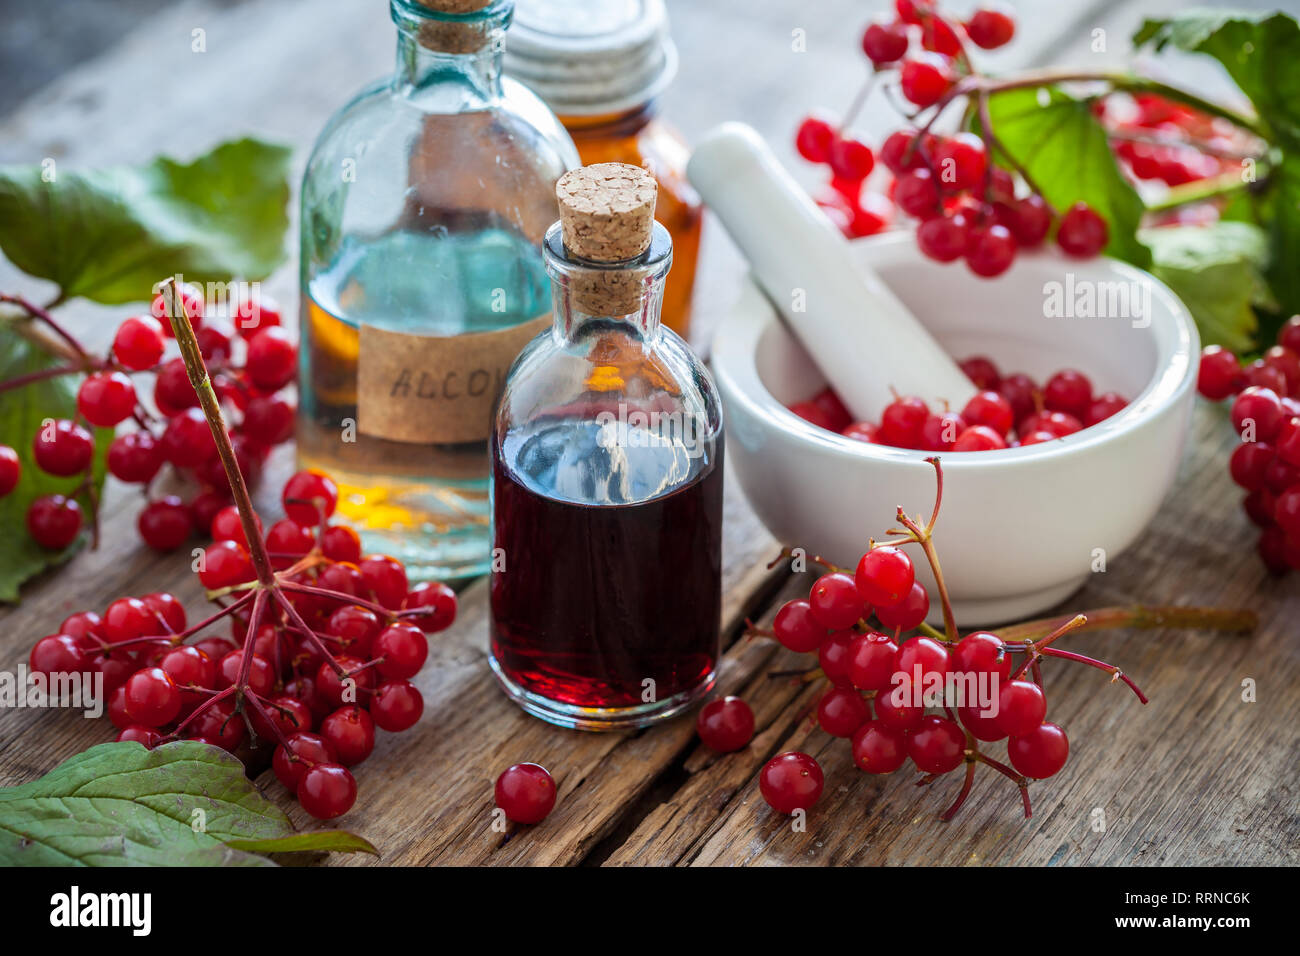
(423, 204)
(607, 480)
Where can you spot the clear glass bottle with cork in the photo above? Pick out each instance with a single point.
(423, 205)
(606, 480)
(601, 66)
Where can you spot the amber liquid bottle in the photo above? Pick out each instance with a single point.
(601, 66)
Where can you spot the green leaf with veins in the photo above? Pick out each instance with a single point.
(1060, 143)
(22, 412)
(110, 234)
(1217, 272)
(1259, 50)
(181, 804)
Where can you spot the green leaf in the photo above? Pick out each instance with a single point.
(1059, 141)
(1258, 49)
(181, 804)
(22, 411)
(1280, 214)
(110, 234)
(1216, 271)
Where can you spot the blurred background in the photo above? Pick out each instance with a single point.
(105, 81)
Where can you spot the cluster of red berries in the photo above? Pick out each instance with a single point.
(313, 668)
(250, 361)
(883, 686)
(1266, 416)
(1158, 139)
(967, 208)
(1008, 411)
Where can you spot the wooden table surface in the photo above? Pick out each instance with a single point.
(1197, 776)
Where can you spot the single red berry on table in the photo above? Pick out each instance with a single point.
(841, 711)
(526, 793)
(1083, 232)
(725, 725)
(396, 705)
(937, 745)
(327, 790)
(138, 344)
(791, 781)
(62, 447)
(884, 576)
(54, 521)
(1040, 753)
(884, 42)
(878, 748)
(11, 470)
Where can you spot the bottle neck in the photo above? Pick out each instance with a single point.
(586, 293)
(465, 48)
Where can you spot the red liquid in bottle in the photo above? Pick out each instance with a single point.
(596, 599)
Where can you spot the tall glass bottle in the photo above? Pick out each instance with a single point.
(607, 480)
(423, 205)
(602, 67)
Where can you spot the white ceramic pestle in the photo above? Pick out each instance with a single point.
(860, 334)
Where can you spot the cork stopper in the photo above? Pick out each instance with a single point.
(607, 211)
(606, 215)
(457, 37)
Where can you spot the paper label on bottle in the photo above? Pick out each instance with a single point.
(431, 389)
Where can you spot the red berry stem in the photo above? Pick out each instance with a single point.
(43, 315)
(292, 613)
(1019, 780)
(965, 792)
(202, 384)
(925, 538)
(41, 375)
(343, 598)
(1037, 648)
(1115, 672)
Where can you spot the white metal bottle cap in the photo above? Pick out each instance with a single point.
(588, 57)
